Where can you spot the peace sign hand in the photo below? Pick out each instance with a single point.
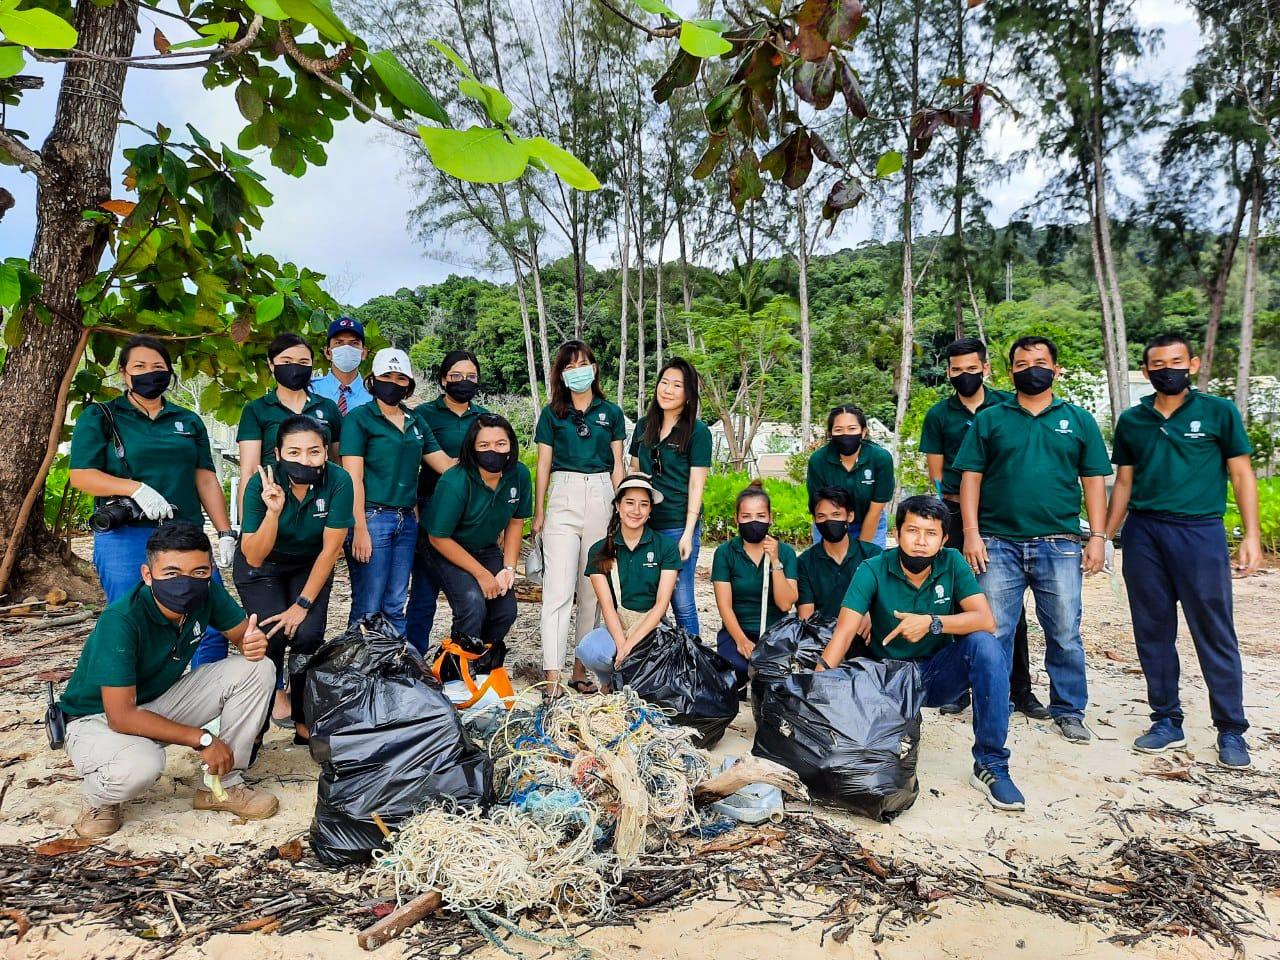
(272, 492)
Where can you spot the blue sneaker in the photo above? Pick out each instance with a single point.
(1000, 791)
(1233, 751)
(1163, 735)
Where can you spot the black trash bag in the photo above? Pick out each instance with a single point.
(671, 668)
(852, 733)
(790, 646)
(387, 739)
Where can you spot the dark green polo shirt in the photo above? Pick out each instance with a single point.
(880, 587)
(731, 565)
(639, 570)
(823, 582)
(300, 529)
(1180, 464)
(391, 456)
(133, 645)
(870, 480)
(945, 426)
(464, 509)
(1031, 467)
(670, 471)
(163, 453)
(261, 420)
(576, 454)
(449, 429)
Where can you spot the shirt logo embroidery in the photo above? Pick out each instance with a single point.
(1194, 433)
(319, 503)
(196, 629)
(1064, 427)
(941, 593)
(319, 414)
(603, 417)
(866, 476)
(649, 556)
(180, 427)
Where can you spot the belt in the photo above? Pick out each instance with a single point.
(381, 508)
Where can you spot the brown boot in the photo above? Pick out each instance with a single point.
(97, 822)
(243, 801)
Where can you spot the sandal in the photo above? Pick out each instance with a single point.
(579, 684)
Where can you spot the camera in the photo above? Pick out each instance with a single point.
(115, 512)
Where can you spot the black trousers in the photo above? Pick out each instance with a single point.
(1020, 672)
(271, 589)
(475, 617)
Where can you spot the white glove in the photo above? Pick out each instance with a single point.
(1109, 558)
(226, 549)
(152, 503)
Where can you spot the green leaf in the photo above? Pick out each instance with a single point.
(453, 58)
(405, 87)
(37, 28)
(10, 285)
(223, 30)
(320, 15)
(270, 308)
(250, 102)
(562, 163)
(11, 61)
(658, 7)
(889, 164)
(268, 8)
(702, 42)
(496, 104)
(477, 154)
(227, 200)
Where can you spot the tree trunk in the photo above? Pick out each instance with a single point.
(908, 265)
(624, 251)
(962, 155)
(806, 361)
(66, 252)
(579, 287)
(538, 298)
(530, 359)
(640, 342)
(1218, 292)
(1249, 306)
(686, 291)
(663, 229)
(1117, 396)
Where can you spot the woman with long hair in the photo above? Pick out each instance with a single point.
(673, 447)
(579, 437)
(850, 460)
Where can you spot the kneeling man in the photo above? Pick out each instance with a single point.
(920, 601)
(130, 696)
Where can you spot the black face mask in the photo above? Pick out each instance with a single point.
(847, 444)
(303, 473)
(292, 376)
(181, 594)
(967, 384)
(915, 564)
(833, 531)
(492, 460)
(462, 391)
(1170, 381)
(753, 531)
(392, 394)
(151, 384)
(1033, 381)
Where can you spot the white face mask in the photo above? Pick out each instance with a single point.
(347, 357)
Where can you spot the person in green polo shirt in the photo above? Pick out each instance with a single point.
(131, 694)
(383, 446)
(291, 360)
(673, 447)
(449, 416)
(296, 517)
(852, 461)
(473, 529)
(579, 437)
(824, 570)
(633, 570)
(1173, 453)
(1023, 463)
(743, 592)
(921, 602)
(146, 461)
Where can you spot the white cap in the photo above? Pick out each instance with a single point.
(638, 481)
(391, 360)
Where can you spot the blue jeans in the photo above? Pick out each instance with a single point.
(729, 650)
(1051, 568)
(981, 662)
(596, 652)
(881, 537)
(382, 584)
(424, 590)
(683, 604)
(118, 556)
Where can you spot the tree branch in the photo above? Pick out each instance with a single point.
(164, 61)
(28, 159)
(658, 33)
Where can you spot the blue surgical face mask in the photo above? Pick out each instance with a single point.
(347, 357)
(579, 379)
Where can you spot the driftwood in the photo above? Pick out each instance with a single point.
(398, 921)
(749, 770)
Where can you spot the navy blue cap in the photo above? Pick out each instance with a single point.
(346, 325)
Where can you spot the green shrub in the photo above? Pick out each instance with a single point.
(65, 507)
(791, 519)
(1268, 515)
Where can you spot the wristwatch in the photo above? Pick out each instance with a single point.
(509, 567)
(935, 624)
(206, 740)
(303, 602)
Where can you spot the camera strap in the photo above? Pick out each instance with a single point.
(116, 443)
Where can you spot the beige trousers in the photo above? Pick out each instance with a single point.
(578, 509)
(118, 767)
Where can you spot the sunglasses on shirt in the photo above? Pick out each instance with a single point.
(580, 423)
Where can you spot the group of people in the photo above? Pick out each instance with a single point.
(433, 497)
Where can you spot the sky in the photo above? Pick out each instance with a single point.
(348, 219)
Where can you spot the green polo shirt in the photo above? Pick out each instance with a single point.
(670, 471)
(1180, 464)
(261, 420)
(1031, 467)
(133, 645)
(639, 570)
(163, 453)
(870, 480)
(463, 508)
(731, 565)
(945, 425)
(391, 456)
(449, 429)
(300, 529)
(575, 454)
(823, 582)
(880, 587)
